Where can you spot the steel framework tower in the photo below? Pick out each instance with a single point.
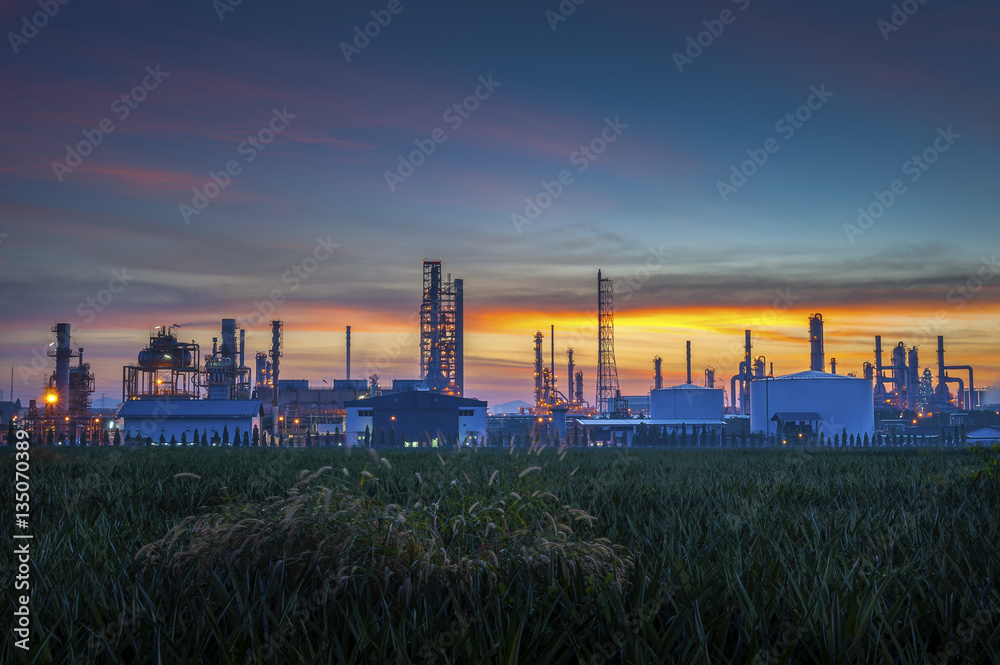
(277, 337)
(607, 370)
(441, 331)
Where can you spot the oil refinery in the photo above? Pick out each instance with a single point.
(172, 393)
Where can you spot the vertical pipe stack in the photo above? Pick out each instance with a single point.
(459, 337)
(552, 359)
(745, 396)
(570, 375)
(689, 362)
(348, 377)
(817, 360)
(63, 354)
(229, 338)
(913, 379)
(657, 374)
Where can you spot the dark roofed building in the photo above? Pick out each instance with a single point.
(414, 416)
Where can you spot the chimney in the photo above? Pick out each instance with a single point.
(689, 362)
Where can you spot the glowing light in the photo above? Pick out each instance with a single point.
(51, 398)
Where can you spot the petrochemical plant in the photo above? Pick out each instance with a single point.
(174, 394)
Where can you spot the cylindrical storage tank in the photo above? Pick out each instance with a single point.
(686, 402)
(843, 402)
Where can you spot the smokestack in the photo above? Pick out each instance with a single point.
(571, 376)
(657, 374)
(229, 338)
(689, 362)
(275, 362)
(552, 359)
(348, 377)
(817, 362)
(460, 337)
(940, 354)
(878, 357)
(538, 367)
(899, 372)
(745, 396)
(63, 354)
(833, 365)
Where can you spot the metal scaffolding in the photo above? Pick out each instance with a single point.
(441, 335)
(607, 370)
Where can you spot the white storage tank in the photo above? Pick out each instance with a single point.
(686, 401)
(831, 402)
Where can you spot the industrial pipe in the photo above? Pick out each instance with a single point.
(689, 362)
(967, 396)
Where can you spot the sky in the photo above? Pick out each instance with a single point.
(731, 165)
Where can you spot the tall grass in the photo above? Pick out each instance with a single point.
(504, 556)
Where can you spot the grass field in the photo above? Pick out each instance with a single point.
(508, 556)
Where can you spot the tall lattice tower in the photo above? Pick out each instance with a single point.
(441, 334)
(607, 371)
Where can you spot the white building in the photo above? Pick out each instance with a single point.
(686, 402)
(151, 418)
(812, 402)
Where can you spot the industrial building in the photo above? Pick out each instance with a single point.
(812, 402)
(442, 336)
(674, 410)
(547, 393)
(166, 393)
(184, 390)
(414, 418)
(217, 420)
(65, 411)
(686, 402)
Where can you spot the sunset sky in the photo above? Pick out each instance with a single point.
(691, 259)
